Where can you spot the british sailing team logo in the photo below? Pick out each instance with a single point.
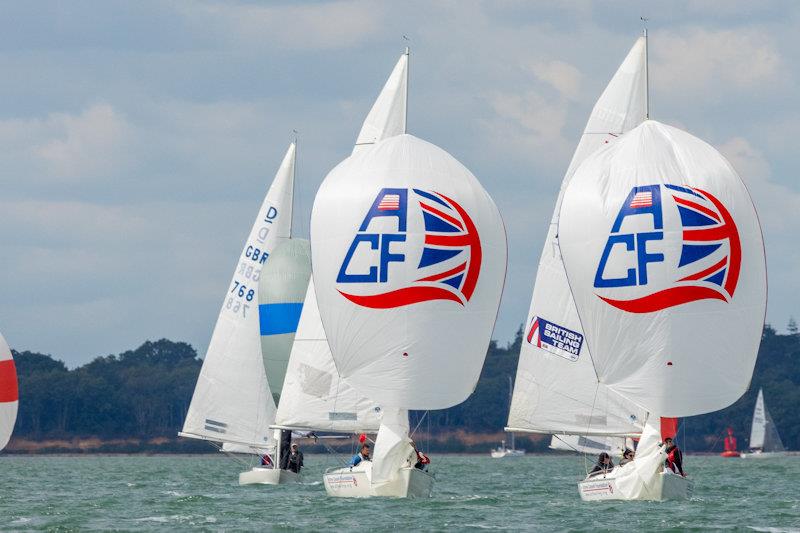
(555, 339)
(449, 264)
(710, 250)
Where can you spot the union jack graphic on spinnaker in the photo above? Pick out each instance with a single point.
(450, 259)
(710, 257)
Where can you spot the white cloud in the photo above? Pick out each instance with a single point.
(699, 59)
(323, 25)
(563, 77)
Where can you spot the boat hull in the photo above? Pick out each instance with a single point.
(267, 476)
(356, 482)
(500, 454)
(762, 455)
(667, 486)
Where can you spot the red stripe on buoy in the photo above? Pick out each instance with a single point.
(8, 381)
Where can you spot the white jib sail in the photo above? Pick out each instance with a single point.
(281, 290)
(387, 117)
(664, 254)
(556, 388)
(232, 401)
(9, 393)
(392, 446)
(314, 397)
(409, 258)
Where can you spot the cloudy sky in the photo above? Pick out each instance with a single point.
(137, 139)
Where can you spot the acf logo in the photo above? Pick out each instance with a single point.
(710, 250)
(450, 259)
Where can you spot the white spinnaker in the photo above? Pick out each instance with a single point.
(554, 393)
(759, 426)
(9, 393)
(387, 117)
(281, 289)
(393, 448)
(314, 396)
(232, 401)
(424, 355)
(675, 359)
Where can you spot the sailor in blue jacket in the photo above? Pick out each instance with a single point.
(363, 455)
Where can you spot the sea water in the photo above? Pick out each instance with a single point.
(71, 493)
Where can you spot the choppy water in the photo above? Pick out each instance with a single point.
(537, 492)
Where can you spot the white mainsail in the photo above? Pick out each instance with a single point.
(314, 397)
(589, 445)
(281, 289)
(557, 390)
(763, 433)
(387, 117)
(9, 393)
(232, 401)
(664, 254)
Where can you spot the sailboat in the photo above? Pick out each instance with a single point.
(9, 393)
(232, 403)
(765, 442)
(557, 389)
(409, 256)
(663, 257)
(502, 451)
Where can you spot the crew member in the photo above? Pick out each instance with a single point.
(674, 457)
(363, 455)
(603, 466)
(294, 461)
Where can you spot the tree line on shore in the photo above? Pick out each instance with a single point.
(145, 393)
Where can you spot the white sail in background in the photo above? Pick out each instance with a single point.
(232, 401)
(664, 254)
(9, 393)
(556, 388)
(314, 397)
(387, 117)
(409, 258)
(763, 433)
(281, 290)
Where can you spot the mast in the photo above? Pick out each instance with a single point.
(646, 72)
(405, 97)
(294, 178)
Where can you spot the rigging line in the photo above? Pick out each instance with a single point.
(589, 423)
(567, 443)
(418, 423)
(229, 455)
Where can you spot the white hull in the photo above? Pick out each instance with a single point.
(499, 454)
(758, 454)
(267, 476)
(356, 482)
(666, 486)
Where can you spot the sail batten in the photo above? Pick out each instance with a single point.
(232, 401)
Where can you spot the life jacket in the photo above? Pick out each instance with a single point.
(422, 458)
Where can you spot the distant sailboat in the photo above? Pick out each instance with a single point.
(557, 390)
(401, 233)
(9, 393)
(765, 442)
(501, 451)
(232, 404)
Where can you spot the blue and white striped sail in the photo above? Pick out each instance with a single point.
(556, 389)
(232, 401)
(281, 290)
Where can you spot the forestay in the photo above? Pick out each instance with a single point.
(232, 401)
(556, 388)
(664, 254)
(281, 289)
(314, 396)
(387, 117)
(409, 258)
(9, 393)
